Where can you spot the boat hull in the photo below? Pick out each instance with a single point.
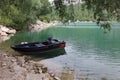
(38, 47)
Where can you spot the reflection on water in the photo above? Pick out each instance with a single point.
(48, 54)
(90, 54)
(37, 56)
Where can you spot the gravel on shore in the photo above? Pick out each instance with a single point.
(22, 68)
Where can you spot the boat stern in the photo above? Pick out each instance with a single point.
(63, 44)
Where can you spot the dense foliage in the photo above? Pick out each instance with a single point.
(71, 12)
(104, 9)
(100, 10)
(20, 13)
(61, 9)
(97, 9)
(82, 14)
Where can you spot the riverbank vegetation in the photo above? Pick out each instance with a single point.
(21, 13)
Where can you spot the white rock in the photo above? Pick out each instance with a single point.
(40, 26)
(13, 60)
(4, 64)
(4, 29)
(12, 31)
(57, 78)
(3, 33)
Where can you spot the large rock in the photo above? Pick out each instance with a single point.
(40, 26)
(6, 33)
(4, 29)
(12, 31)
(3, 33)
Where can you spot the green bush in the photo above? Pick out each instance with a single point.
(21, 13)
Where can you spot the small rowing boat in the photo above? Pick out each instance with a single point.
(39, 47)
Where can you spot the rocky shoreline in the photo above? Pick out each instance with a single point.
(41, 25)
(22, 68)
(6, 33)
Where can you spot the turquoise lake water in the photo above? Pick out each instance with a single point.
(91, 54)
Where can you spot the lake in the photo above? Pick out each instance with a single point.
(91, 54)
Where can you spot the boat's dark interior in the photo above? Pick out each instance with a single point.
(38, 44)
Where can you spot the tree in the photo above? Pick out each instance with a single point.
(21, 13)
(103, 9)
(61, 8)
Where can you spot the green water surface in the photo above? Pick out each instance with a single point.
(90, 53)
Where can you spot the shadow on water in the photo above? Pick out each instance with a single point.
(45, 55)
